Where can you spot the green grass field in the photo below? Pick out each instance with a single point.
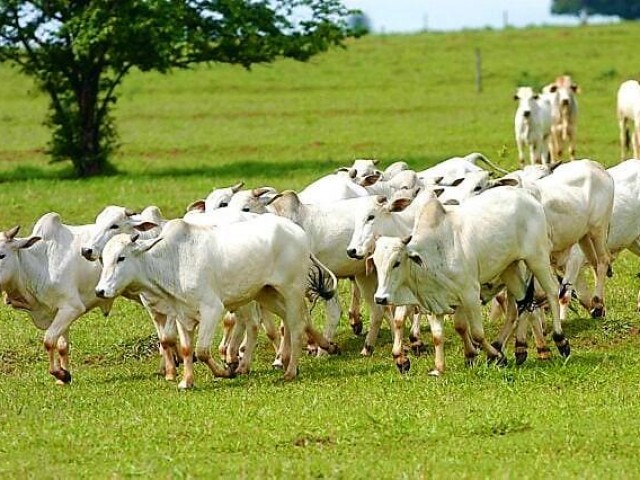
(406, 98)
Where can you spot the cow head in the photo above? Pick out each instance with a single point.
(254, 201)
(526, 99)
(120, 265)
(114, 220)
(220, 197)
(10, 245)
(392, 258)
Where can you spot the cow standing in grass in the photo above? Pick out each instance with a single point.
(44, 275)
(454, 253)
(532, 126)
(196, 272)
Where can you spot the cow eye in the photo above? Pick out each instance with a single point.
(2, 255)
(113, 227)
(223, 204)
(120, 259)
(370, 218)
(245, 209)
(396, 264)
(477, 189)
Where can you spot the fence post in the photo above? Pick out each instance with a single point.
(478, 71)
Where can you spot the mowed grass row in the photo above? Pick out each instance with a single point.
(406, 98)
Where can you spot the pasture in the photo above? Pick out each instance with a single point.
(394, 98)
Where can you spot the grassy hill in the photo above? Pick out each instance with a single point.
(409, 98)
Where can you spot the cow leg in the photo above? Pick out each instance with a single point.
(595, 250)
(622, 124)
(636, 138)
(510, 320)
(539, 266)
(60, 325)
(165, 328)
(368, 286)
(272, 330)
(185, 334)
(417, 346)
(461, 325)
(228, 324)
(236, 336)
(401, 360)
(355, 319)
(63, 350)
(521, 148)
(473, 313)
(210, 315)
(251, 320)
(437, 332)
(297, 320)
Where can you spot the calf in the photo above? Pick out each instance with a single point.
(564, 115)
(532, 126)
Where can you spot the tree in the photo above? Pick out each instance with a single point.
(626, 9)
(79, 52)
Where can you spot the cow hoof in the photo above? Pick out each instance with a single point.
(183, 385)
(597, 312)
(544, 353)
(356, 327)
(232, 367)
(470, 360)
(418, 348)
(334, 349)
(63, 376)
(403, 365)
(312, 350)
(277, 364)
(497, 345)
(367, 351)
(521, 357)
(499, 360)
(565, 350)
(322, 352)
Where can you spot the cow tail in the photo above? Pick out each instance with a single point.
(480, 157)
(322, 283)
(527, 303)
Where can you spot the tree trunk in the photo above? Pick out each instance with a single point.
(90, 159)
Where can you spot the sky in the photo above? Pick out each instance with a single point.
(392, 16)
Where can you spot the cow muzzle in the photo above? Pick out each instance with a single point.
(352, 253)
(87, 253)
(381, 300)
(101, 293)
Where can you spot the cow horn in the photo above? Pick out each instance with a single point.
(135, 237)
(128, 212)
(258, 192)
(235, 188)
(406, 239)
(11, 233)
(381, 199)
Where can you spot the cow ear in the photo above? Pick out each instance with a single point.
(507, 182)
(415, 257)
(197, 206)
(353, 172)
(399, 204)
(375, 161)
(146, 245)
(369, 266)
(144, 226)
(576, 88)
(370, 180)
(516, 98)
(27, 242)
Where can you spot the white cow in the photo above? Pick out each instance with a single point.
(453, 253)
(628, 110)
(564, 115)
(217, 198)
(578, 201)
(45, 276)
(624, 230)
(330, 188)
(452, 169)
(532, 125)
(195, 273)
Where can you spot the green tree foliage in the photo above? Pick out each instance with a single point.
(79, 52)
(626, 9)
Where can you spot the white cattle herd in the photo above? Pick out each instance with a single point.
(440, 241)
